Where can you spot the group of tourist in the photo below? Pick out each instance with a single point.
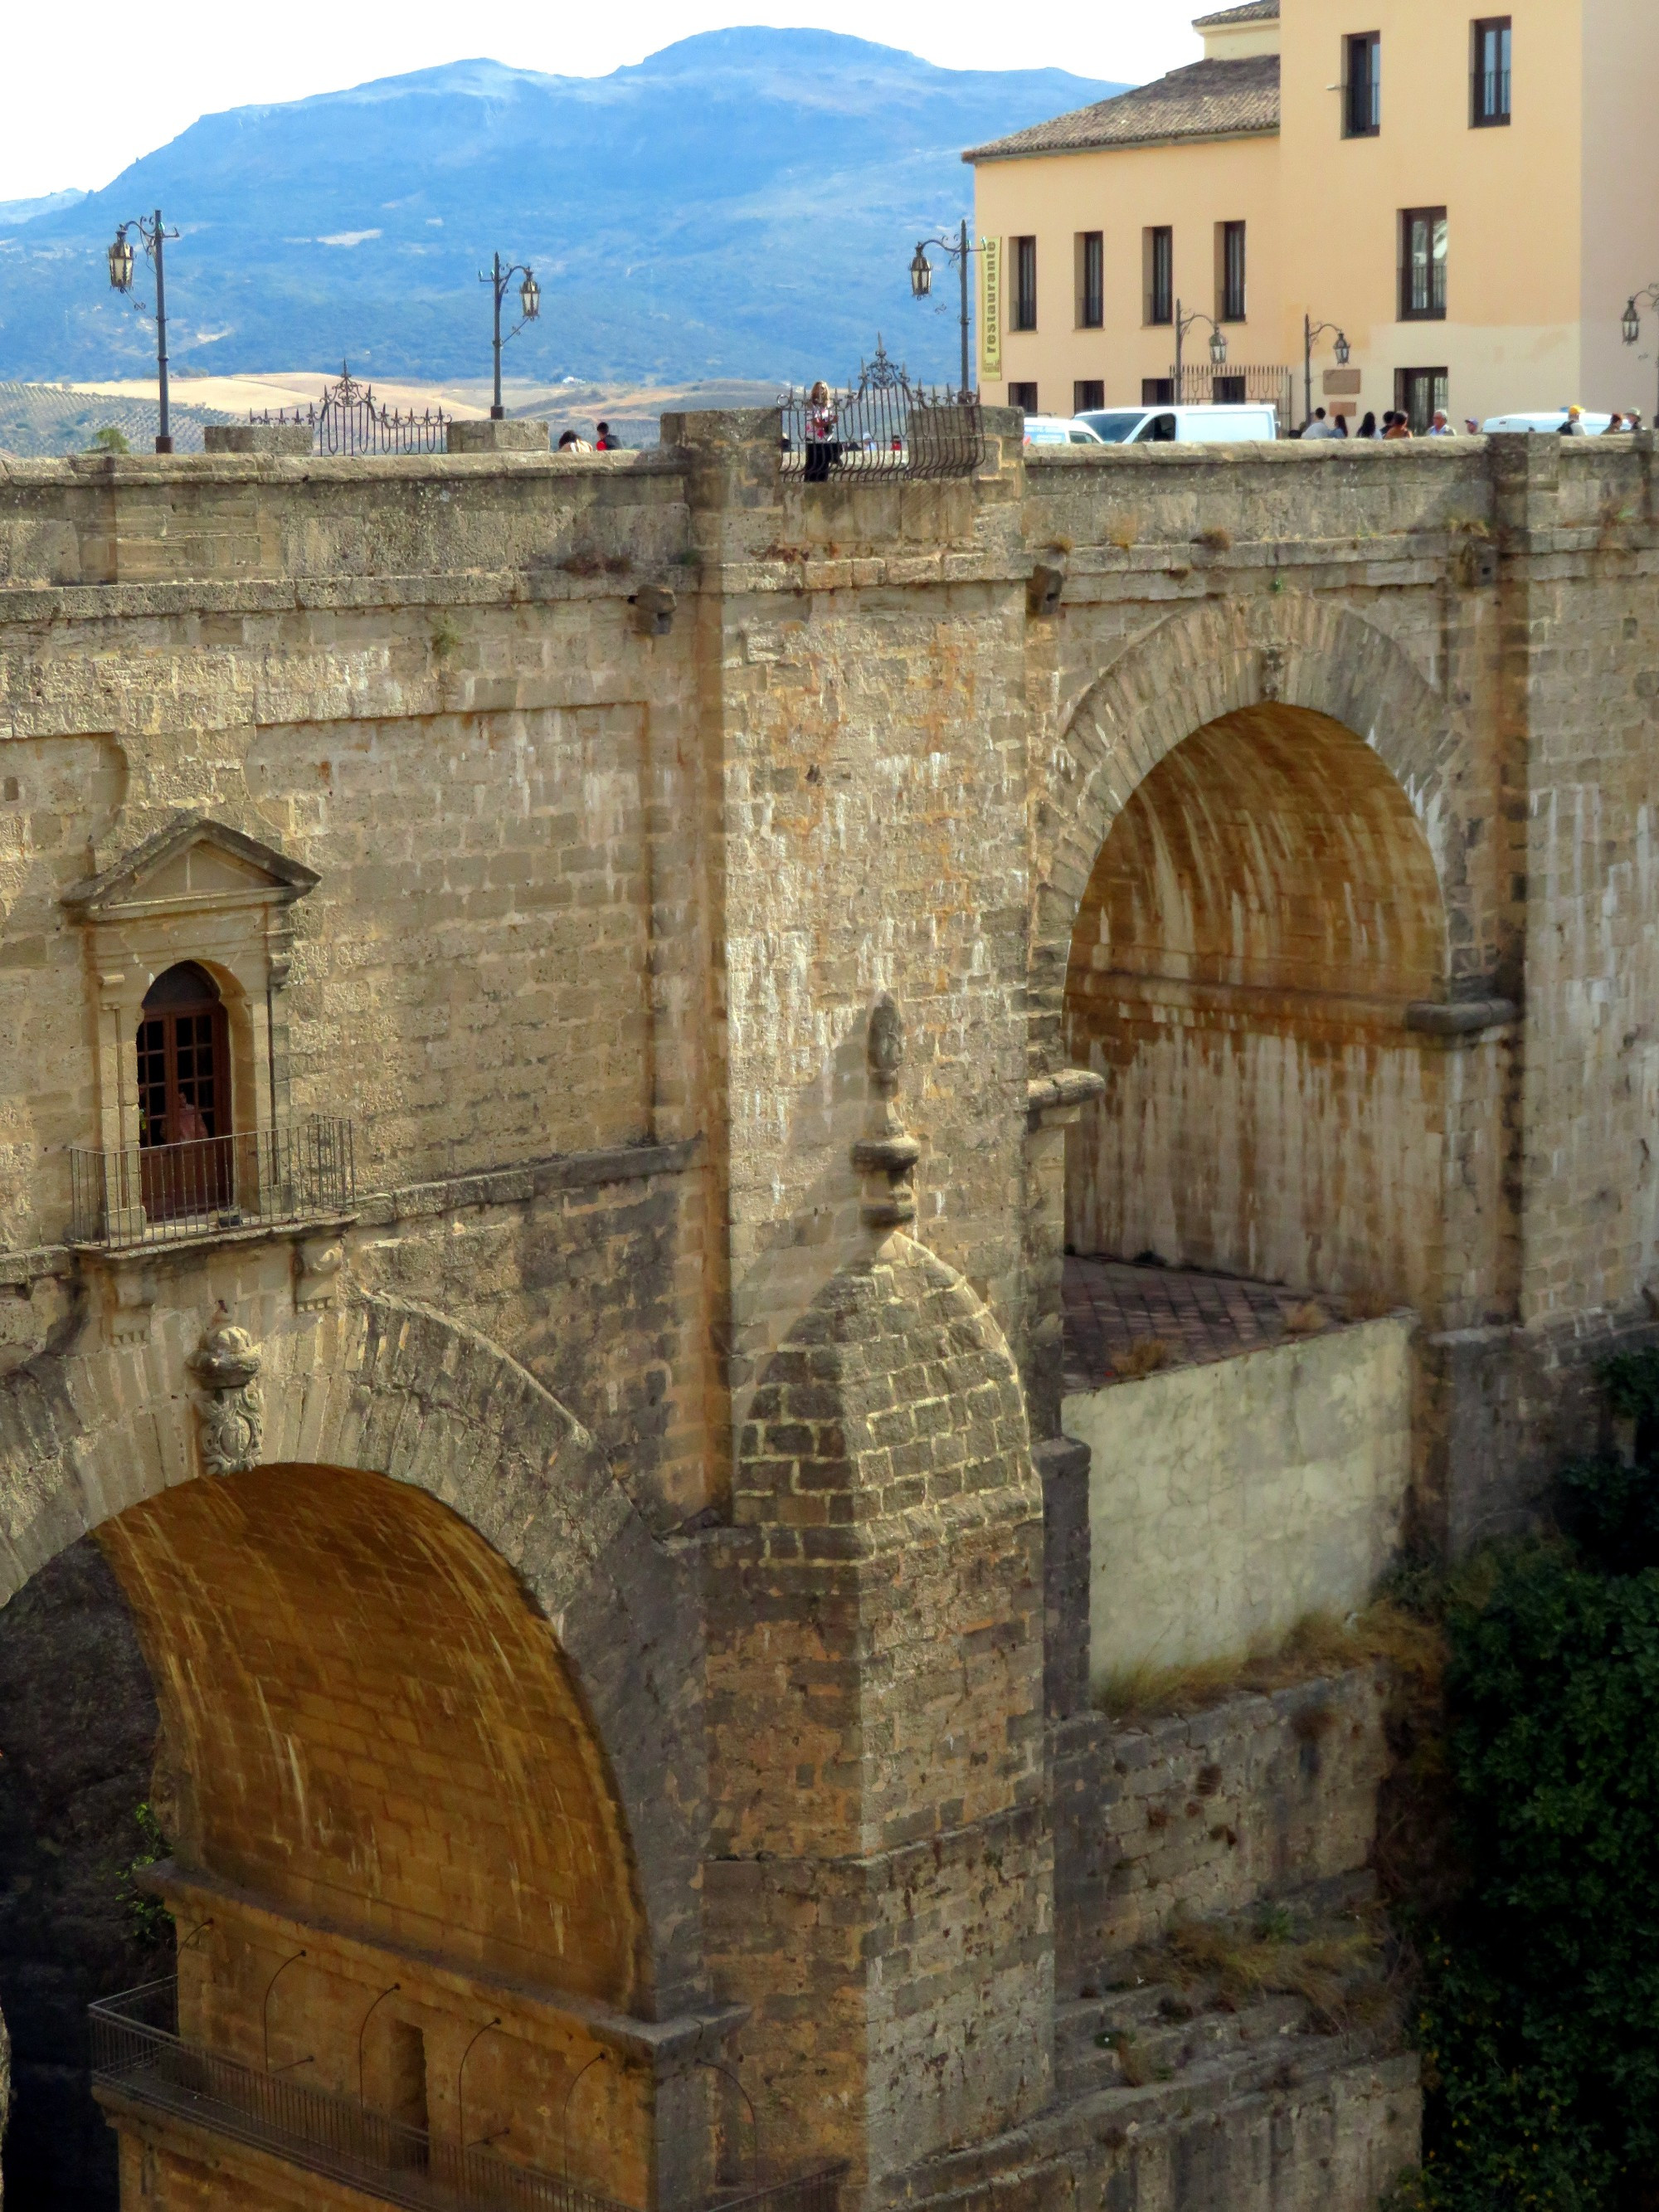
(1396, 424)
(603, 441)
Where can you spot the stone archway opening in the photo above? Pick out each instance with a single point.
(1256, 1193)
(391, 1828)
(1261, 914)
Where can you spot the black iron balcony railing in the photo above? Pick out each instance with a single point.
(137, 2057)
(169, 1194)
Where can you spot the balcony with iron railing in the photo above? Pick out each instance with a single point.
(140, 2063)
(143, 1195)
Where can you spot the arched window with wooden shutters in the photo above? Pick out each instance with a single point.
(184, 1124)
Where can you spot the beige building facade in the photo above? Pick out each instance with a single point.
(1470, 200)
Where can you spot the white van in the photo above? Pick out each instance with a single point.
(1242, 422)
(1596, 426)
(1058, 430)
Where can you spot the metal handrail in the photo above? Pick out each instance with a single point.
(138, 2056)
(142, 1194)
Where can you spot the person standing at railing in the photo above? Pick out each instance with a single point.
(820, 434)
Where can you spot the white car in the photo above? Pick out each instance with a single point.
(1059, 430)
(1596, 426)
(1242, 422)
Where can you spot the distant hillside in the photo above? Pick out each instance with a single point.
(743, 203)
(40, 421)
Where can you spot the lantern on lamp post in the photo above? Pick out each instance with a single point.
(122, 259)
(498, 277)
(961, 250)
(1312, 333)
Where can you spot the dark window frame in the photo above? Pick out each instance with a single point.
(1423, 276)
(1025, 283)
(1016, 398)
(1362, 85)
(1232, 302)
(1491, 89)
(1090, 280)
(1407, 395)
(1160, 274)
(1088, 395)
(1157, 392)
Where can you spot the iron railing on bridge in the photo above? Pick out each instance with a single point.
(1203, 385)
(348, 419)
(138, 2055)
(882, 425)
(168, 1193)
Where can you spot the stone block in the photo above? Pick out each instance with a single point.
(495, 437)
(290, 439)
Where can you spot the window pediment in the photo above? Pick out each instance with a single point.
(193, 864)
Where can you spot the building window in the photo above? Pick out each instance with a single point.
(1491, 72)
(1423, 265)
(1362, 85)
(1230, 272)
(1159, 253)
(183, 1095)
(1157, 392)
(1090, 285)
(1088, 392)
(1023, 395)
(1025, 284)
(1420, 394)
(1230, 391)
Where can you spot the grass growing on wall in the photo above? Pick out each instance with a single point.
(1539, 2020)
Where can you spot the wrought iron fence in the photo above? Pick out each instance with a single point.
(168, 1194)
(883, 425)
(137, 2055)
(348, 419)
(1203, 385)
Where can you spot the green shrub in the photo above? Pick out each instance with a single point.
(1540, 2019)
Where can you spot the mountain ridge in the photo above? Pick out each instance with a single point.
(741, 203)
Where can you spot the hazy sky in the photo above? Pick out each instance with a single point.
(84, 100)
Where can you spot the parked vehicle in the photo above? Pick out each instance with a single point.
(1242, 422)
(1058, 430)
(1595, 426)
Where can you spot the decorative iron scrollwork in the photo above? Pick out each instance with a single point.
(882, 424)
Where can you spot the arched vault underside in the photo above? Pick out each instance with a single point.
(423, 1507)
(1262, 913)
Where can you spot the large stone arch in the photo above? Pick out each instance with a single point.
(1295, 649)
(386, 1387)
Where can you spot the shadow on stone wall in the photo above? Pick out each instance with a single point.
(78, 1727)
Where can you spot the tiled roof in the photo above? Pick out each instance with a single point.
(1254, 11)
(1210, 99)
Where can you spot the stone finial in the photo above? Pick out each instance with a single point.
(227, 1364)
(886, 1154)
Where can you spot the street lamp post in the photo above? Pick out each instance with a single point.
(961, 251)
(498, 277)
(1311, 332)
(152, 235)
(1184, 323)
(1649, 297)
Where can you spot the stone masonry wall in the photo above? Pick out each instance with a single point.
(1206, 1812)
(601, 910)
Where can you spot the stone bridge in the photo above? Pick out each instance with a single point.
(573, 1030)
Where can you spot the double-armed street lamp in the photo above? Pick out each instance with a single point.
(152, 236)
(961, 250)
(1312, 333)
(1649, 297)
(498, 277)
(1184, 323)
